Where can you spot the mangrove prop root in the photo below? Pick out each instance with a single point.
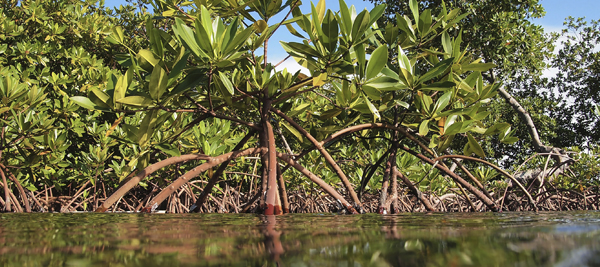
(7, 206)
(473, 178)
(212, 162)
(531, 200)
(330, 190)
(415, 190)
(142, 174)
(215, 177)
(325, 154)
(19, 187)
(365, 126)
(389, 169)
(272, 191)
(283, 192)
(488, 202)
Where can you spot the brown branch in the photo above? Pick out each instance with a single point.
(325, 154)
(212, 162)
(524, 115)
(272, 191)
(496, 168)
(361, 127)
(415, 190)
(66, 207)
(283, 192)
(282, 98)
(330, 190)
(7, 206)
(19, 187)
(216, 175)
(488, 202)
(473, 178)
(123, 189)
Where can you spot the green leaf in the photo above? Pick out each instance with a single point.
(146, 59)
(482, 67)
(403, 60)
(239, 40)
(158, 82)
(187, 37)
(405, 25)
(260, 26)
(320, 80)
(300, 109)
(99, 97)
(136, 100)
(377, 61)
(302, 49)
(361, 22)
(442, 102)
(474, 146)
(414, 8)
(438, 86)
(447, 43)
(178, 67)
(320, 10)
(293, 31)
(204, 38)
(359, 52)
(453, 129)
(497, 128)
(509, 140)
(317, 17)
(424, 22)
(376, 13)
(330, 114)
(86, 103)
(445, 142)
(385, 84)
(121, 87)
(372, 108)
(169, 149)
(330, 32)
(346, 18)
(372, 92)
(424, 128)
(227, 83)
(436, 70)
(293, 131)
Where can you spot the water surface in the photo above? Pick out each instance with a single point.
(451, 239)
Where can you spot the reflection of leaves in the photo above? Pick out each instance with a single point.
(412, 245)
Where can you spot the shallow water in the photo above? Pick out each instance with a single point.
(456, 239)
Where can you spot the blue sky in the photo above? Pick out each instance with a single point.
(556, 12)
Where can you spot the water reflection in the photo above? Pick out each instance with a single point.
(480, 239)
(272, 241)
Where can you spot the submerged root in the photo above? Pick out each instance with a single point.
(228, 198)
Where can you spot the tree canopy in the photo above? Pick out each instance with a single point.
(119, 99)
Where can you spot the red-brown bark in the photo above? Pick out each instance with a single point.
(488, 202)
(19, 187)
(325, 154)
(123, 189)
(272, 192)
(217, 174)
(329, 189)
(212, 162)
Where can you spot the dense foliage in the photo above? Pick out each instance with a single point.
(94, 99)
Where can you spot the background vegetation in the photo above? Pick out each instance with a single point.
(178, 108)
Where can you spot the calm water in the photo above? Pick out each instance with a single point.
(474, 239)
